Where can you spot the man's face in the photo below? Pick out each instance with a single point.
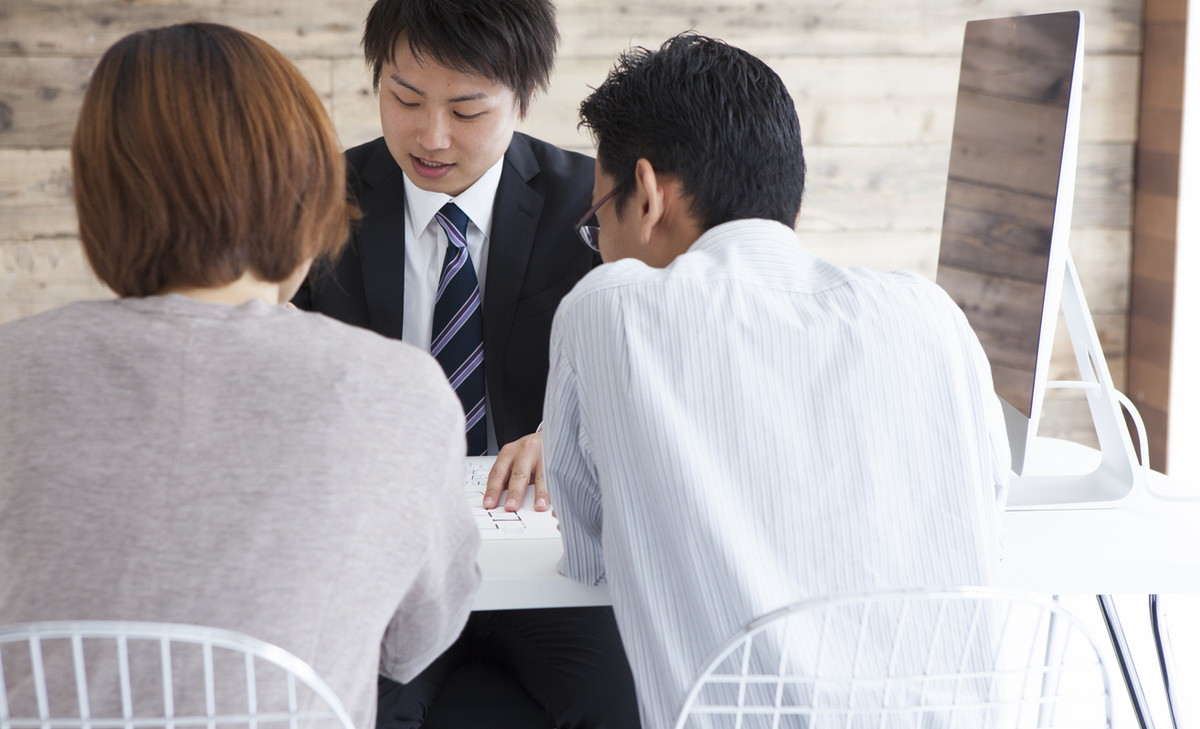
(444, 128)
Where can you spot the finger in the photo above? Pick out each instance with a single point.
(541, 492)
(518, 483)
(498, 477)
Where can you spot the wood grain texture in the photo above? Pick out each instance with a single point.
(1155, 220)
(43, 274)
(589, 27)
(35, 195)
(84, 28)
(874, 85)
(822, 27)
(862, 100)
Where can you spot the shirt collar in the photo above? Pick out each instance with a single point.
(736, 231)
(476, 201)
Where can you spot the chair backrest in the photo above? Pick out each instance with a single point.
(970, 658)
(122, 675)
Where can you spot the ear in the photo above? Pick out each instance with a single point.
(650, 199)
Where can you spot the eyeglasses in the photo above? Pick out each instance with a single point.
(590, 234)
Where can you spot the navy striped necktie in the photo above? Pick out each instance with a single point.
(458, 327)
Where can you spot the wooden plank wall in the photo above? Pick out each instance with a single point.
(874, 84)
(1156, 208)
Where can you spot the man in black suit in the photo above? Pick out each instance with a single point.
(534, 262)
(453, 77)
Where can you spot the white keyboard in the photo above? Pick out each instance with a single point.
(497, 523)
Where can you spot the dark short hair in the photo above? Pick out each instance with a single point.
(509, 41)
(201, 154)
(714, 116)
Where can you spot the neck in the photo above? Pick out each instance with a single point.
(234, 293)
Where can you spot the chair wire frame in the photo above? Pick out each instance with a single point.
(134, 675)
(1166, 660)
(973, 658)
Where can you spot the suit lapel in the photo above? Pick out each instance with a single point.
(381, 244)
(514, 222)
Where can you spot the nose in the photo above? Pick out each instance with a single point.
(434, 132)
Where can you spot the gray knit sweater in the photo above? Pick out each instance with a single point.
(255, 468)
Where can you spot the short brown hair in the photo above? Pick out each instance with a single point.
(202, 154)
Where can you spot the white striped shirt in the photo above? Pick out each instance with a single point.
(752, 425)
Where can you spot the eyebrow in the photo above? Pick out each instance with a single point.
(457, 99)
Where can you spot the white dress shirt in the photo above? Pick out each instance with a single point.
(752, 425)
(425, 252)
(425, 246)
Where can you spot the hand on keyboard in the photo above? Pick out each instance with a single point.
(518, 467)
(498, 522)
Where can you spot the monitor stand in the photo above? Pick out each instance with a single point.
(1119, 472)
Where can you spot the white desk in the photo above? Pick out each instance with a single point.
(523, 573)
(1144, 546)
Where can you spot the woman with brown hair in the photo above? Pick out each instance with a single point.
(195, 452)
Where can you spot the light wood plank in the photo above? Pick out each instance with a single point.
(34, 178)
(40, 179)
(1067, 417)
(1112, 329)
(916, 252)
(85, 28)
(40, 275)
(596, 29)
(355, 104)
(27, 224)
(840, 101)
(41, 102)
(35, 194)
(823, 27)
(1101, 256)
(43, 99)
(319, 74)
(856, 100)
(903, 188)
(1102, 259)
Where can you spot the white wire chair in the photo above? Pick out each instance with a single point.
(1166, 659)
(972, 658)
(133, 675)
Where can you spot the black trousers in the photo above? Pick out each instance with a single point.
(521, 669)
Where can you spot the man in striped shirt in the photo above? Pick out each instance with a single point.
(732, 423)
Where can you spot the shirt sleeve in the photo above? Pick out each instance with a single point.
(569, 467)
(993, 415)
(435, 608)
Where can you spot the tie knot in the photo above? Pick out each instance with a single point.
(454, 221)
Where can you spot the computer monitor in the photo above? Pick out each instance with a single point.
(1008, 199)
(1004, 254)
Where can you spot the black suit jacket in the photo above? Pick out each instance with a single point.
(534, 259)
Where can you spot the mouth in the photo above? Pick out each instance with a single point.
(430, 168)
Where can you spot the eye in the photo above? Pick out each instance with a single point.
(404, 103)
(468, 117)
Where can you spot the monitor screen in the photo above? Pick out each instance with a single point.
(1008, 198)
